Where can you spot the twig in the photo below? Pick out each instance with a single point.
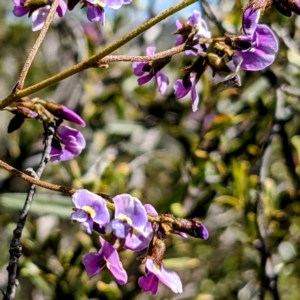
(37, 44)
(177, 223)
(90, 62)
(15, 246)
(138, 58)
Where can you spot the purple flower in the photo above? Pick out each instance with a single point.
(131, 223)
(139, 68)
(38, 14)
(67, 114)
(19, 9)
(90, 209)
(67, 144)
(188, 84)
(257, 45)
(96, 13)
(156, 273)
(202, 31)
(107, 257)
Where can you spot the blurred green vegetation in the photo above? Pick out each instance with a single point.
(203, 164)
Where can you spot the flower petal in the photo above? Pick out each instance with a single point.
(94, 263)
(167, 277)
(132, 209)
(250, 20)
(162, 81)
(113, 262)
(261, 56)
(149, 283)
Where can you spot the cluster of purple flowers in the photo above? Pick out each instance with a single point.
(67, 142)
(38, 10)
(253, 49)
(129, 229)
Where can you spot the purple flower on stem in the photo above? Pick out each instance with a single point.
(67, 144)
(96, 13)
(107, 257)
(202, 31)
(257, 45)
(154, 274)
(139, 68)
(38, 14)
(188, 84)
(67, 114)
(131, 223)
(90, 209)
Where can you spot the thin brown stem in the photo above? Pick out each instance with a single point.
(15, 246)
(135, 58)
(37, 45)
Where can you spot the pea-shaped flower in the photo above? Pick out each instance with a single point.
(107, 257)
(89, 209)
(156, 273)
(257, 45)
(131, 223)
(67, 144)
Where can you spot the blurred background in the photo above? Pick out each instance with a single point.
(201, 165)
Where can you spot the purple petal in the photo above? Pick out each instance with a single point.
(195, 18)
(145, 79)
(79, 216)
(150, 209)
(62, 8)
(70, 115)
(102, 215)
(204, 232)
(119, 228)
(96, 14)
(94, 263)
(149, 283)
(194, 94)
(132, 209)
(150, 51)
(137, 241)
(162, 81)
(20, 11)
(38, 17)
(113, 262)
(169, 278)
(178, 24)
(180, 90)
(73, 142)
(88, 225)
(179, 40)
(84, 198)
(138, 68)
(250, 20)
